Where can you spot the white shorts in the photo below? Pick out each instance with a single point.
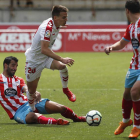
(33, 71)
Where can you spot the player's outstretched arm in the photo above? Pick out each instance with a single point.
(108, 50)
(117, 46)
(47, 51)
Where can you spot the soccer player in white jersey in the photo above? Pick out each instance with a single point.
(15, 103)
(131, 96)
(40, 54)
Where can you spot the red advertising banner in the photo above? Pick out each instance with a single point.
(74, 38)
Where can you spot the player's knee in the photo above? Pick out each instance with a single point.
(31, 118)
(61, 67)
(127, 95)
(135, 94)
(63, 108)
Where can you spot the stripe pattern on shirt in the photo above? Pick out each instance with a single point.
(11, 96)
(135, 62)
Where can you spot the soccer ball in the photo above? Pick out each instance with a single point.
(93, 118)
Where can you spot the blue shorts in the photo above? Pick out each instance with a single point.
(25, 109)
(131, 77)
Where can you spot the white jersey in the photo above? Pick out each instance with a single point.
(47, 31)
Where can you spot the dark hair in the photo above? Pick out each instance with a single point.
(133, 6)
(8, 59)
(57, 9)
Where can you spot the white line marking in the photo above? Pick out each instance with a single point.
(80, 89)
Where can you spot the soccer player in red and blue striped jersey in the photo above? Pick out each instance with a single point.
(131, 96)
(16, 104)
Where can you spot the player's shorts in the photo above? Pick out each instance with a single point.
(25, 109)
(131, 77)
(33, 71)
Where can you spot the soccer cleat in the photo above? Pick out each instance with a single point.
(69, 94)
(80, 119)
(122, 126)
(135, 132)
(62, 122)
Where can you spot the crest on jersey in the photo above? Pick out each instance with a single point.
(135, 43)
(47, 33)
(10, 92)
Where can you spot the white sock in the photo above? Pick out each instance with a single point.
(64, 77)
(137, 126)
(31, 100)
(125, 120)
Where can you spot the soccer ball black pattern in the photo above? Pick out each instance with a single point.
(93, 118)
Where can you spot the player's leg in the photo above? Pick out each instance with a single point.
(135, 95)
(126, 105)
(25, 115)
(64, 78)
(33, 73)
(53, 107)
(32, 86)
(130, 79)
(32, 118)
(126, 112)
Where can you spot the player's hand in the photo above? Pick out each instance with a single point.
(37, 97)
(68, 61)
(108, 50)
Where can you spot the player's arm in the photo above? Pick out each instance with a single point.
(24, 89)
(46, 51)
(117, 46)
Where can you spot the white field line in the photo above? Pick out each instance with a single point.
(79, 89)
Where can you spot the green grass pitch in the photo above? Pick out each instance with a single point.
(98, 83)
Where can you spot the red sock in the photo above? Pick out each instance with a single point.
(69, 114)
(126, 108)
(136, 109)
(43, 120)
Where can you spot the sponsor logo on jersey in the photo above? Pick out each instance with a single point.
(48, 33)
(10, 92)
(135, 43)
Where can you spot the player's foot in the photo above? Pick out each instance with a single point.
(122, 126)
(69, 94)
(62, 122)
(80, 119)
(135, 132)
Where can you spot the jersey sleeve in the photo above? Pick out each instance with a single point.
(46, 31)
(126, 36)
(22, 83)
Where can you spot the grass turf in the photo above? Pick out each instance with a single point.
(98, 83)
